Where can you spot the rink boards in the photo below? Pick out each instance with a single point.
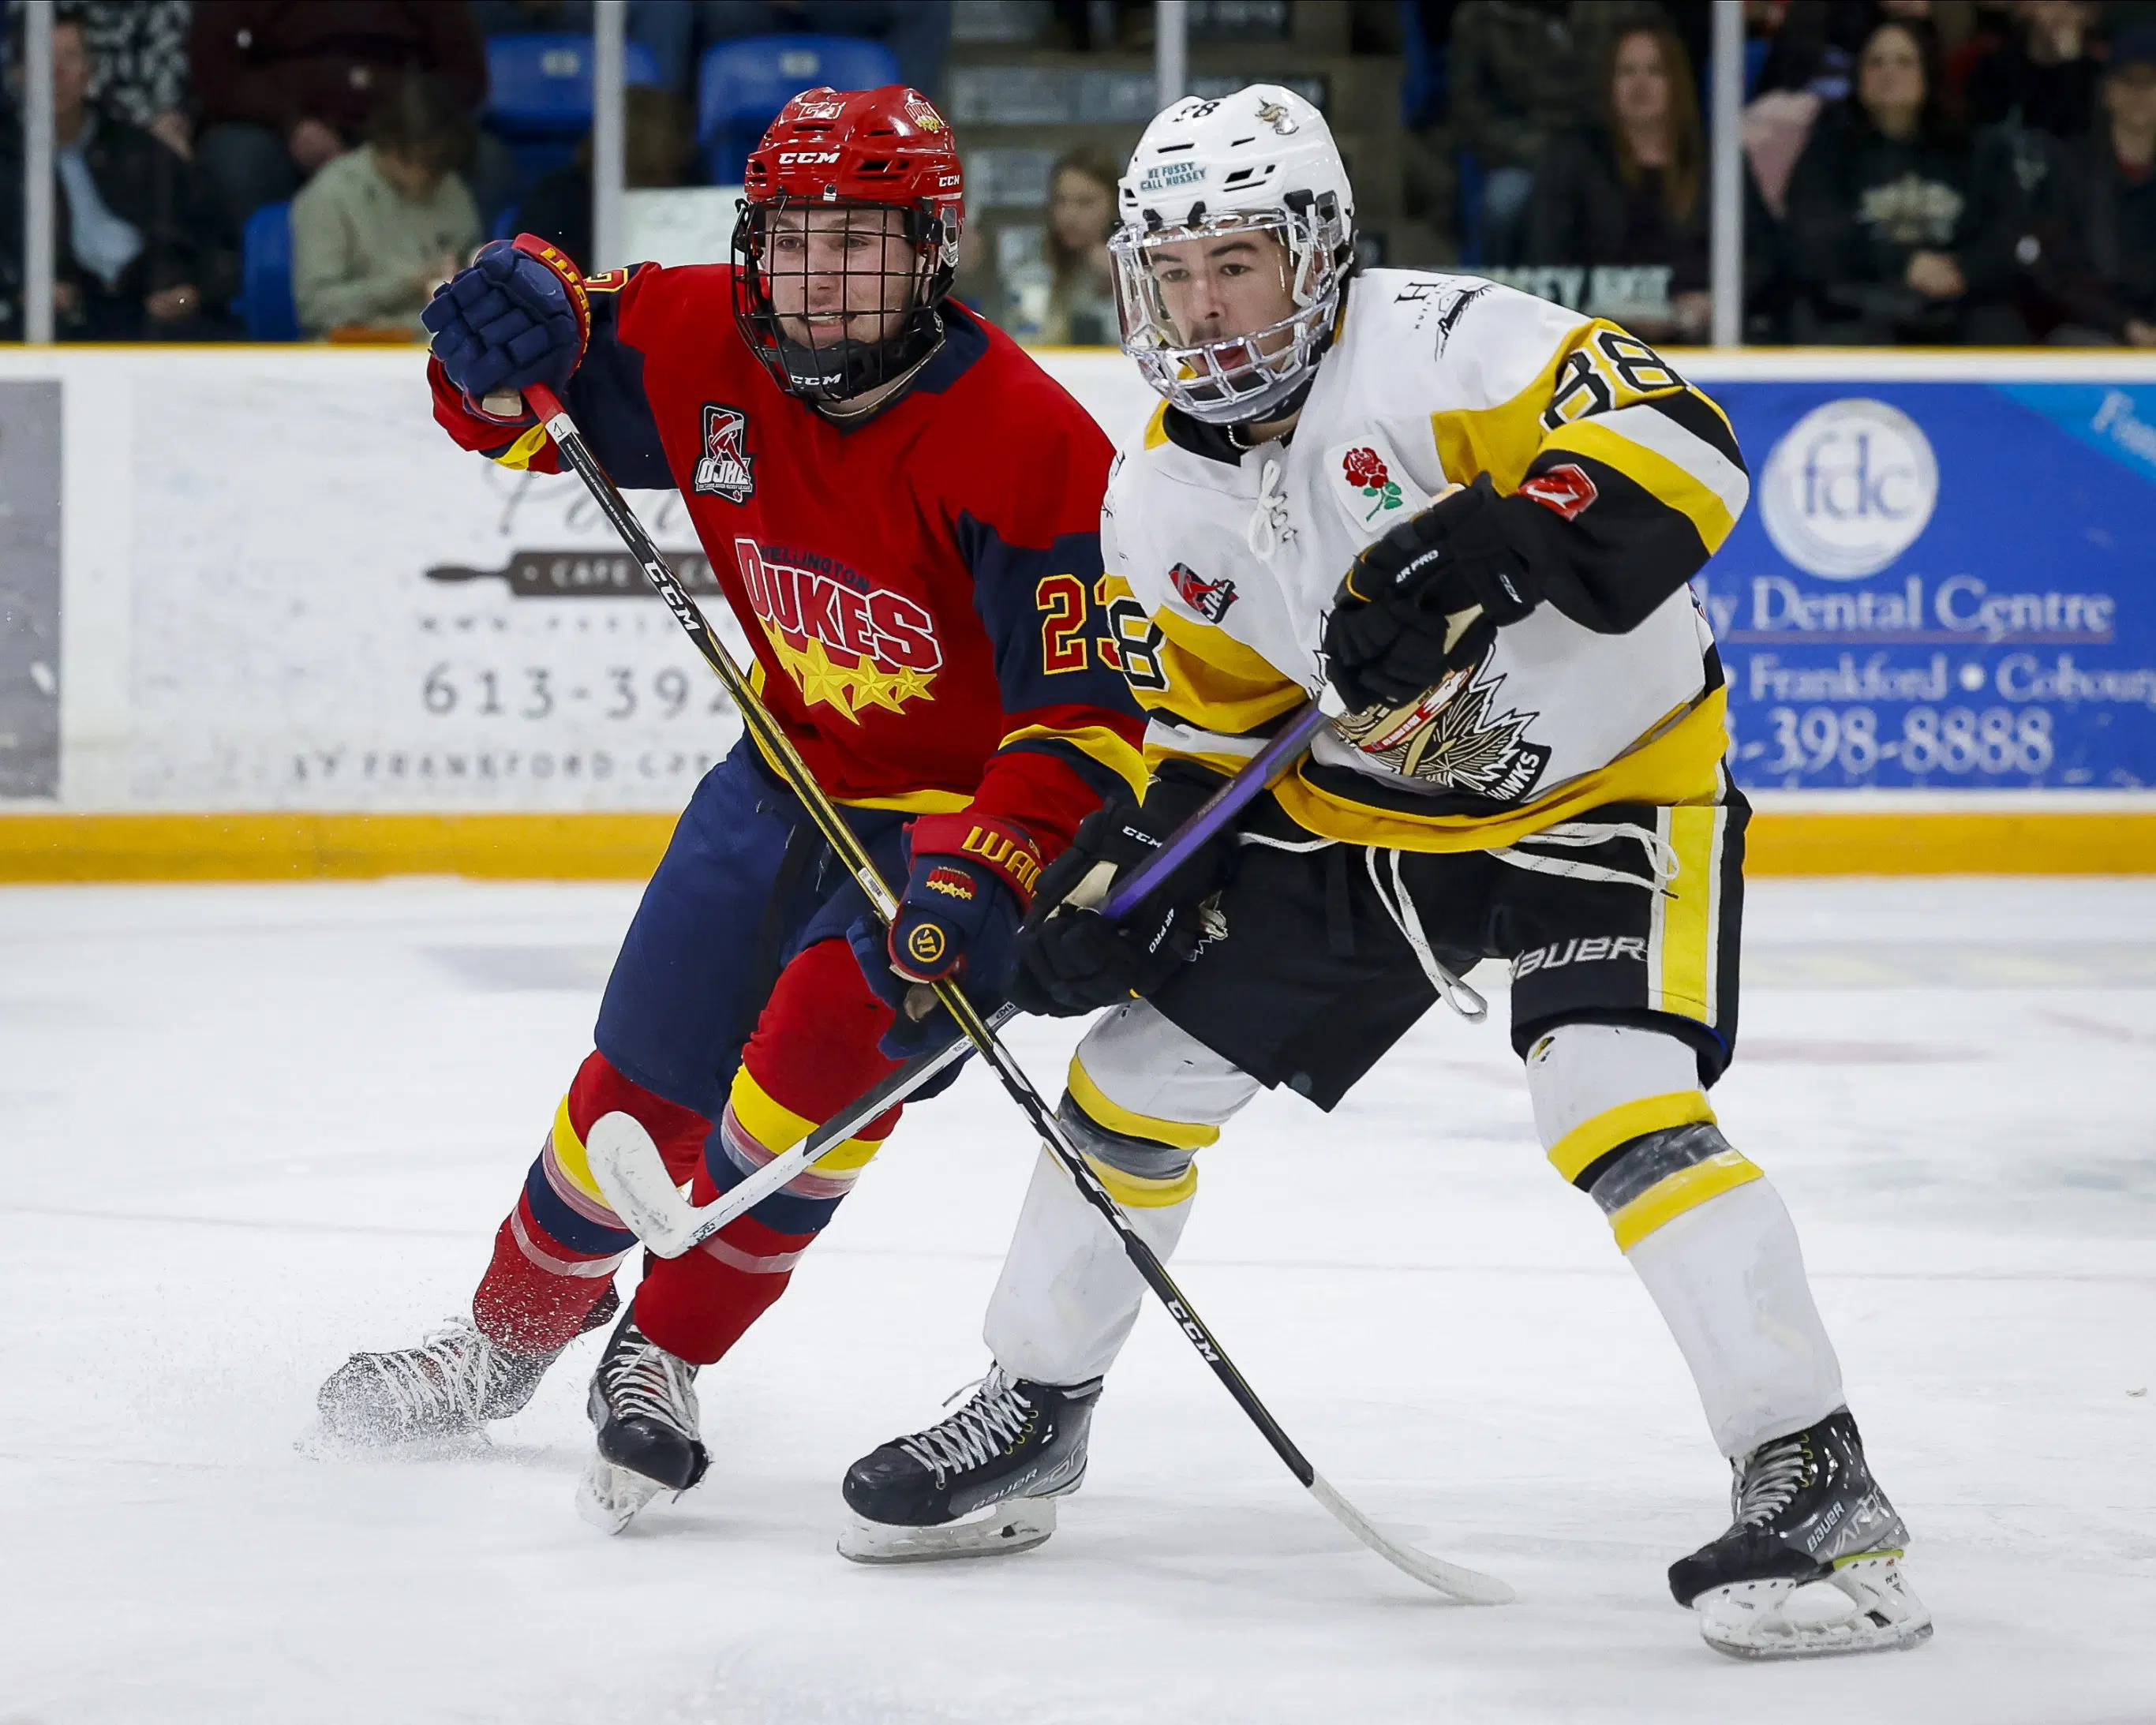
(258, 619)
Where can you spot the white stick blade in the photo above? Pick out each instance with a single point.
(633, 1174)
(1469, 1586)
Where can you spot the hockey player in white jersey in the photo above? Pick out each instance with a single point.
(1475, 513)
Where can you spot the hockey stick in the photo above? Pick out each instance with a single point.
(631, 1172)
(1461, 1583)
(633, 1175)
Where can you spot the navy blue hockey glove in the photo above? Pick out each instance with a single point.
(519, 316)
(972, 878)
(1071, 960)
(1428, 597)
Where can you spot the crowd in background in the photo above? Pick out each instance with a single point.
(1916, 170)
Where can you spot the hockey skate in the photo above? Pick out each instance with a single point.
(982, 1483)
(1804, 1508)
(448, 1387)
(644, 1403)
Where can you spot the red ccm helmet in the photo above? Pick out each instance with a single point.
(847, 239)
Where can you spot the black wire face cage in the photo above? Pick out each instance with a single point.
(835, 297)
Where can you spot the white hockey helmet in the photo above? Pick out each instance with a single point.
(1238, 230)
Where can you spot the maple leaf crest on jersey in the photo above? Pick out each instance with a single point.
(1451, 736)
(725, 469)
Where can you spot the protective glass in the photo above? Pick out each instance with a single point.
(1226, 318)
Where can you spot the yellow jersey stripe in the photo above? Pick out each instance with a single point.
(1657, 431)
(1500, 440)
(1096, 742)
(1183, 1135)
(1683, 956)
(1593, 1138)
(1680, 764)
(1215, 679)
(1665, 1200)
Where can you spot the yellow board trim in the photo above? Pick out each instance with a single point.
(1688, 1188)
(1183, 1135)
(1134, 1192)
(53, 848)
(1593, 1139)
(569, 1154)
(778, 1128)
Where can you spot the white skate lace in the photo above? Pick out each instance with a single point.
(447, 1373)
(649, 1383)
(1774, 1474)
(976, 1433)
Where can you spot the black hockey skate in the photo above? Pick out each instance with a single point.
(1805, 1509)
(983, 1481)
(644, 1401)
(448, 1386)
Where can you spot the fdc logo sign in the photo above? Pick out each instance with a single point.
(1848, 489)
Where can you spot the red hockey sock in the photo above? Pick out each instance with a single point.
(813, 1051)
(556, 1254)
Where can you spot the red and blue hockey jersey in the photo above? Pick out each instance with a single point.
(924, 589)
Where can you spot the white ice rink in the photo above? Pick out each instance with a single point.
(246, 1131)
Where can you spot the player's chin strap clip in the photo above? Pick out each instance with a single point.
(1399, 905)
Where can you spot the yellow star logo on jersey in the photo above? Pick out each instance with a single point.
(849, 689)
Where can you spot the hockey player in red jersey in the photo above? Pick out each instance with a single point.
(903, 510)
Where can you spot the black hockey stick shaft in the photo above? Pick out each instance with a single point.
(842, 839)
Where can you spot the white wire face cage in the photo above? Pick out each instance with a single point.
(1179, 290)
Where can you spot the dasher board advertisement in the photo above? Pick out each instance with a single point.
(1945, 586)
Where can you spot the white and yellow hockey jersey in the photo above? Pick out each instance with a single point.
(1222, 562)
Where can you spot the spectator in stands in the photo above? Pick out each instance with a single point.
(379, 227)
(1519, 71)
(2044, 76)
(1880, 204)
(286, 86)
(659, 148)
(137, 256)
(2100, 246)
(1633, 192)
(917, 32)
(139, 49)
(1067, 297)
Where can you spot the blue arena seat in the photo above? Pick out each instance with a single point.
(265, 275)
(740, 84)
(539, 92)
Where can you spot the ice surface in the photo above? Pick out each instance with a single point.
(247, 1131)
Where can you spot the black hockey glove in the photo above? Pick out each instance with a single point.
(1427, 597)
(1071, 960)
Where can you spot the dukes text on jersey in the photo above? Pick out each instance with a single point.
(843, 642)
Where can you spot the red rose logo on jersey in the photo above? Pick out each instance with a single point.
(1365, 470)
(725, 469)
(1209, 599)
(844, 643)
